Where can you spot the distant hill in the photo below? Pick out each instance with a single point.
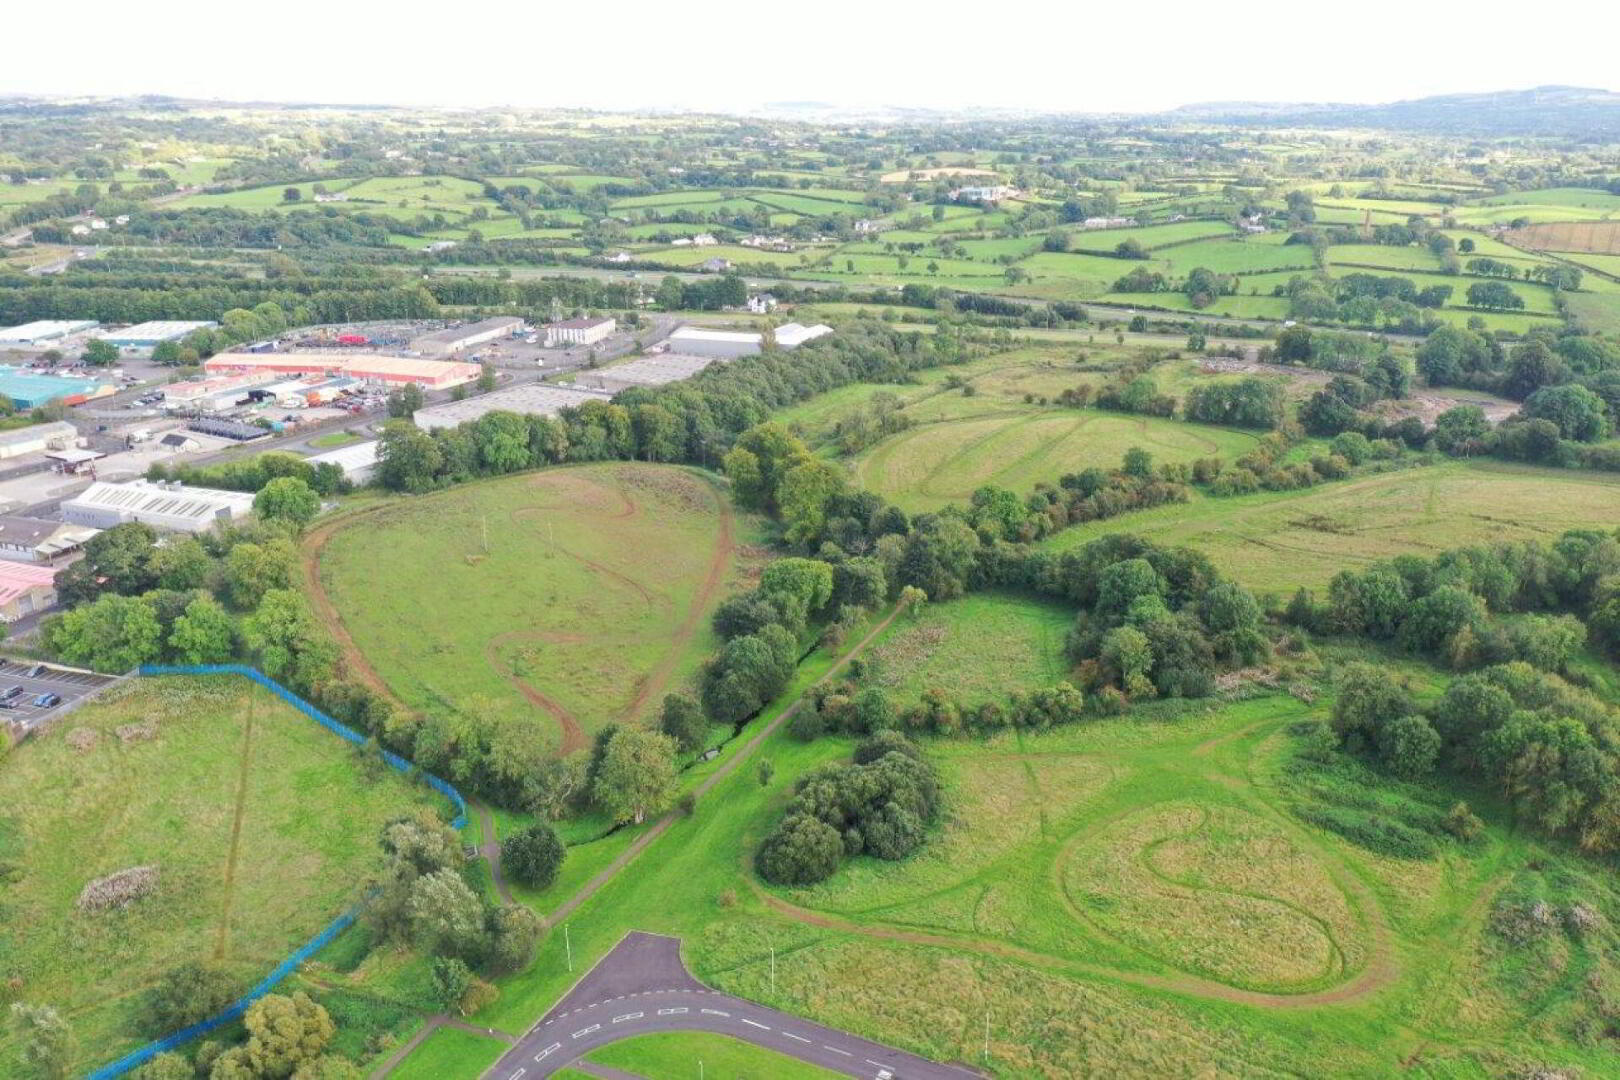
(1547, 110)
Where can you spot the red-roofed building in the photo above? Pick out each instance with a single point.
(25, 588)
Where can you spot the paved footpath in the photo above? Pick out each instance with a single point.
(642, 986)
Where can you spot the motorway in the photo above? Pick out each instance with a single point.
(642, 986)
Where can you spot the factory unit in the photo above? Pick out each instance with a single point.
(532, 399)
(457, 339)
(358, 462)
(718, 344)
(655, 370)
(29, 390)
(43, 332)
(206, 393)
(579, 331)
(36, 438)
(143, 337)
(25, 589)
(162, 505)
(35, 540)
(384, 370)
(318, 393)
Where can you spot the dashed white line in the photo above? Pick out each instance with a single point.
(790, 1035)
(714, 1012)
(837, 1050)
(755, 1023)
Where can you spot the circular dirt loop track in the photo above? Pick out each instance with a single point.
(1380, 969)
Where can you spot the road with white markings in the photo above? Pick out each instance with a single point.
(642, 986)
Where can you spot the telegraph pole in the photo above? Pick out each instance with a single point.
(568, 944)
(773, 971)
(987, 1035)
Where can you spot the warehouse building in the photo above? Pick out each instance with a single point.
(200, 391)
(579, 331)
(358, 462)
(656, 370)
(718, 344)
(383, 370)
(25, 589)
(168, 506)
(44, 331)
(35, 540)
(457, 339)
(792, 335)
(29, 389)
(149, 335)
(37, 438)
(531, 399)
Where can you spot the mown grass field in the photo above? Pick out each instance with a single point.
(1136, 896)
(263, 826)
(1282, 540)
(946, 460)
(674, 1055)
(567, 598)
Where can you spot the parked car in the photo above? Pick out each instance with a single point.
(12, 692)
(46, 701)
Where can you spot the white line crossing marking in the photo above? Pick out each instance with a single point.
(670, 1012)
(586, 1031)
(548, 1051)
(517, 1074)
(628, 1016)
(714, 1012)
(790, 1035)
(755, 1023)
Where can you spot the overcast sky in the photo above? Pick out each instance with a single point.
(1061, 56)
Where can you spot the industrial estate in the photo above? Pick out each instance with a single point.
(895, 595)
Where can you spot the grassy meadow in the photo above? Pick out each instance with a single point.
(262, 824)
(570, 598)
(672, 1055)
(1282, 540)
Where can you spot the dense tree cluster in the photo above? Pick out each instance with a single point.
(881, 804)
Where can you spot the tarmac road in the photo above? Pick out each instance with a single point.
(642, 986)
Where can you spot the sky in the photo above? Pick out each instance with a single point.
(1068, 56)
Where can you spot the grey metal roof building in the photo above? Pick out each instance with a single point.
(43, 330)
(456, 338)
(532, 399)
(656, 370)
(170, 506)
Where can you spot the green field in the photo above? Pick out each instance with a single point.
(262, 825)
(674, 1055)
(944, 461)
(541, 605)
(974, 648)
(1282, 540)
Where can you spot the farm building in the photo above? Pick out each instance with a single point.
(792, 335)
(25, 589)
(579, 331)
(29, 390)
(179, 442)
(532, 399)
(457, 339)
(358, 462)
(720, 344)
(655, 370)
(387, 370)
(34, 540)
(169, 506)
(762, 303)
(58, 435)
(148, 335)
(44, 331)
